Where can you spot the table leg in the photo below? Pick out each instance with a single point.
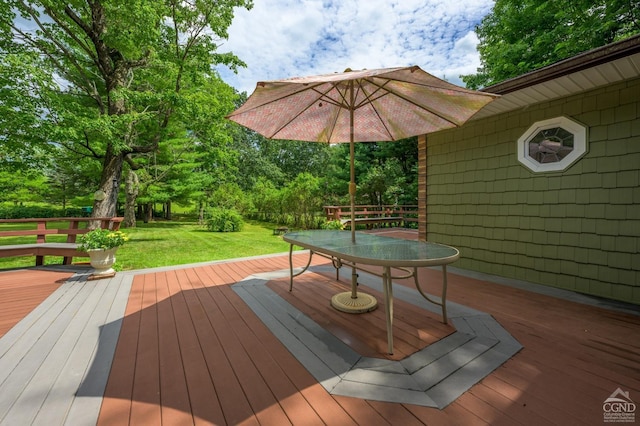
(290, 267)
(337, 263)
(444, 294)
(388, 301)
(443, 300)
(291, 274)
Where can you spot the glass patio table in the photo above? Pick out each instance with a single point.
(375, 250)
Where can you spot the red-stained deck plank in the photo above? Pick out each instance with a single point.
(212, 378)
(414, 328)
(174, 391)
(117, 399)
(574, 355)
(255, 388)
(22, 290)
(272, 368)
(322, 403)
(146, 384)
(195, 333)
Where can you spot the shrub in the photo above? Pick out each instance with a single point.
(332, 224)
(21, 212)
(27, 212)
(224, 220)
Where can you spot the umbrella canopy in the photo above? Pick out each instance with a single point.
(358, 106)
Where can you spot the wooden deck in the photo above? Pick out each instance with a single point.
(21, 291)
(187, 349)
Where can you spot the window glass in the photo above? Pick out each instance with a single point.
(552, 145)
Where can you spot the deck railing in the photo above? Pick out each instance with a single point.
(407, 213)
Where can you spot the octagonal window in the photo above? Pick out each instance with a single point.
(552, 145)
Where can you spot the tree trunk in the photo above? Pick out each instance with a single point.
(148, 213)
(132, 186)
(167, 211)
(201, 214)
(106, 198)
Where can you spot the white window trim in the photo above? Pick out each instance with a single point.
(579, 132)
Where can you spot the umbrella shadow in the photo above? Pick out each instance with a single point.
(202, 353)
(190, 353)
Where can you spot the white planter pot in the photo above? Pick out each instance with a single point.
(102, 260)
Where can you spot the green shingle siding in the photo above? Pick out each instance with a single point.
(635, 130)
(608, 100)
(629, 161)
(578, 229)
(627, 112)
(597, 134)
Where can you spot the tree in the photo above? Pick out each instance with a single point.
(522, 35)
(22, 141)
(267, 200)
(385, 172)
(22, 186)
(301, 198)
(120, 74)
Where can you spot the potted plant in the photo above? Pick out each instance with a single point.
(101, 245)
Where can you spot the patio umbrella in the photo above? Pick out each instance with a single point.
(358, 106)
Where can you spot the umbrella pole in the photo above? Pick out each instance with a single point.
(352, 302)
(352, 193)
(352, 189)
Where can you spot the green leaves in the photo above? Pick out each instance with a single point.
(114, 80)
(523, 35)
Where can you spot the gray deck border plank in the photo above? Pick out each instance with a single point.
(33, 350)
(81, 359)
(38, 402)
(434, 376)
(31, 325)
(46, 357)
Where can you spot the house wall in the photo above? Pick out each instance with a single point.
(578, 229)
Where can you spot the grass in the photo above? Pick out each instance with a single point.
(167, 243)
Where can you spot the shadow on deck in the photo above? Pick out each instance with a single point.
(224, 343)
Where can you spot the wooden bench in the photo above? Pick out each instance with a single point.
(373, 215)
(280, 230)
(41, 248)
(370, 222)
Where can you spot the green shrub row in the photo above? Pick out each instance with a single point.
(26, 212)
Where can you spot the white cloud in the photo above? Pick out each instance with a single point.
(285, 38)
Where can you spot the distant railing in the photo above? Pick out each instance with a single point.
(374, 214)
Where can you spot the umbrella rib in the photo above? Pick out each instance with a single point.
(404, 98)
(370, 98)
(279, 99)
(293, 118)
(325, 97)
(344, 105)
(342, 102)
(302, 110)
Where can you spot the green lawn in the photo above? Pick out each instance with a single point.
(166, 243)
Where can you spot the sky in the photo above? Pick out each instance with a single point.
(294, 38)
